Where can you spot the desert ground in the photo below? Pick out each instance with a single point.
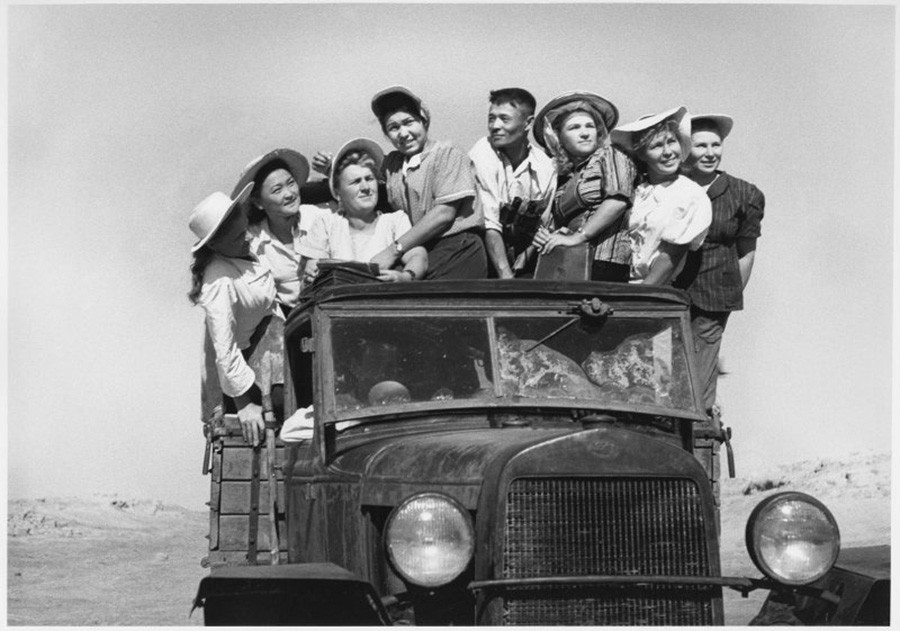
(116, 561)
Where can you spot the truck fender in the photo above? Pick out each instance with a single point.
(299, 594)
(856, 591)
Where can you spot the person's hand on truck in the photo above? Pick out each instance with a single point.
(251, 418)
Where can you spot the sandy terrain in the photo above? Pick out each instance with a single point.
(115, 561)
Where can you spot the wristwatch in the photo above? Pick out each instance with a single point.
(397, 247)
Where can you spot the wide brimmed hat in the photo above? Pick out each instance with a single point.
(394, 92)
(628, 136)
(367, 145)
(565, 103)
(209, 215)
(722, 122)
(296, 163)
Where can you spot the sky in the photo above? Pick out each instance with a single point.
(122, 117)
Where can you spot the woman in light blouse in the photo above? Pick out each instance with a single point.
(357, 231)
(237, 292)
(277, 218)
(671, 213)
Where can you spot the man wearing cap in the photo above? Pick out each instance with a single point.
(514, 181)
(432, 181)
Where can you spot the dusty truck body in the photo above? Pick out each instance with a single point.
(509, 452)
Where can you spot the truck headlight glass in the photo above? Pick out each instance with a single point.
(793, 538)
(430, 539)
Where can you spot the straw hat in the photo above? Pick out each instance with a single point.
(209, 215)
(383, 98)
(628, 136)
(567, 102)
(296, 163)
(367, 145)
(722, 122)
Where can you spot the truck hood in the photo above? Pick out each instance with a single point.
(459, 462)
(452, 461)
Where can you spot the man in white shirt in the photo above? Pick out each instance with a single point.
(514, 181)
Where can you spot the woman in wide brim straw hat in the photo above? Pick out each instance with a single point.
(358, 231)
(434, 184)
(595, 182)
(670, 213)
(277, 217)
(715, 275)
(237, 293)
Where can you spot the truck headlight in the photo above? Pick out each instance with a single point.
(430, 539)
(792, 538)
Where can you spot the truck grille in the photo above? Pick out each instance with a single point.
(607, 527)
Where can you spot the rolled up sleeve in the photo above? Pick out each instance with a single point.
(487, 186)
(456, 180)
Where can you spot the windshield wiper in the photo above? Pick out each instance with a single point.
(593, 308)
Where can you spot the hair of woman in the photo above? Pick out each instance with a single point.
(400, 103)
(360, 158)
(201, 259)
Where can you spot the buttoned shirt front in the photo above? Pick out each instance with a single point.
(439, 174)
(284, 258)
(712, 274)
(497, 182)
(236, 295)
(677, 212)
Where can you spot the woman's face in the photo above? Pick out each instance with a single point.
(578, 135)
(662, 155)
(706, 152)
(357, 189)
(279, 194)
(231, 237)
(406, 132)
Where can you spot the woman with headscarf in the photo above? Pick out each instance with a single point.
(358, 231)
(433, 183)
(715, 275)
(595, 183)
(237, 292)
(671, 213)
(277, 218)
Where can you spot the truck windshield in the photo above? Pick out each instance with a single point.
(620, 362)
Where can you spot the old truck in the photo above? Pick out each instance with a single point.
(504, 453)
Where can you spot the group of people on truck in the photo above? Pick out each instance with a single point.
(643, 202)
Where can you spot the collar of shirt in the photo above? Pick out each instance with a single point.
(717, 186)
(262, 235)
(414, 162)
(526, 164)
